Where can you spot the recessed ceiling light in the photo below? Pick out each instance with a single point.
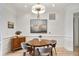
(53, 5)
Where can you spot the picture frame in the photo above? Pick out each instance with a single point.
(10, 25)
(52, 16)
(38, 26)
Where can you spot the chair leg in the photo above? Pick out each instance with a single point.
(55, 51)
(24, 53)
(51, 52)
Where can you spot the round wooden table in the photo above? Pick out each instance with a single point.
(40, 43)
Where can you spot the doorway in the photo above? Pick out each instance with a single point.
(76, 32)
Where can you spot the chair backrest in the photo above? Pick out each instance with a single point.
(53, 43)
(23, 45)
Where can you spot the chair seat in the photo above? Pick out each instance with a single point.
(44, 54)
(26, 48)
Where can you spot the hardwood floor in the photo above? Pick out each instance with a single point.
(76, 52)
(60, 52)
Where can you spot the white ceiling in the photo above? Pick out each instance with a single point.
(19, 7)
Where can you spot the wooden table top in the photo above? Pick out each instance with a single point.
(39, 43)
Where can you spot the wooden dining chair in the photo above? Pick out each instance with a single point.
(53, 44)
(26, 48)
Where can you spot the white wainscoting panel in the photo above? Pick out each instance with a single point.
(68, 43)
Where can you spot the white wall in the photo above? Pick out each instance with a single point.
(56, 27)
(7, 13)
(69, 26)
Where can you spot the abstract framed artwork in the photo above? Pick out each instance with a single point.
(10, 25)
(52, 16)
(38, 25)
